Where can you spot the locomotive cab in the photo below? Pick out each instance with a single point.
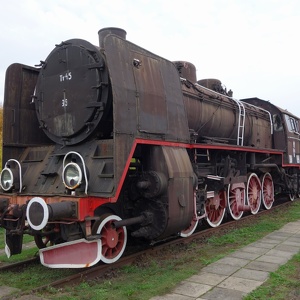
(286, 134)
(293, 138)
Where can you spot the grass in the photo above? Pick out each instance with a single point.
(28, 253)
(33, 276)
(26, 238)
(282, 285)
(155, 275)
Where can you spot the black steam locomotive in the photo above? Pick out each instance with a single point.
(105, 143)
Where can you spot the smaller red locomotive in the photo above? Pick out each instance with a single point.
(110, 142)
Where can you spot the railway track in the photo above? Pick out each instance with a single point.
(101, 270)
(17, 266)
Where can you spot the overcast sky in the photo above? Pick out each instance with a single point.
(252, 46)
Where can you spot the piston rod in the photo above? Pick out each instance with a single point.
(132, 221)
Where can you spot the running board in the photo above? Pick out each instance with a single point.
(75, 254)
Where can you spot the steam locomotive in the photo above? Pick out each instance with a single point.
(102, 144)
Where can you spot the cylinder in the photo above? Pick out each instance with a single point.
(102, 33)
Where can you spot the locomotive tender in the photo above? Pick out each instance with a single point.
(103, 144)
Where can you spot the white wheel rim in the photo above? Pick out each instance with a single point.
(214, 224)
(257, 192)
(265, 177)
(102, 224)
(235, 217)
(188, 232)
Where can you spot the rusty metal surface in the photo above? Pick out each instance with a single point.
(186, 70)
(291, 126)
(283, 138)
(43, 166)
(147, 98)
(72, 93)
(20, 124)
(151, 96)
(279, 138)
(214, 117)
(147, 92)
(180, 195)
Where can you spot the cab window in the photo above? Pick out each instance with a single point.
(277, 123)
(292, 124)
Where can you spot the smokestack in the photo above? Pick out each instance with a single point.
(102, 33)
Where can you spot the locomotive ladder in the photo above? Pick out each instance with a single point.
(241, 125)
(205, 154)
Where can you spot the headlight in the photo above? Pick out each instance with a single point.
(6, 179)
(72, 176)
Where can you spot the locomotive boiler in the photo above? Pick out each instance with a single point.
(107, 143)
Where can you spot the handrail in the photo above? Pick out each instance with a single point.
(20, 172)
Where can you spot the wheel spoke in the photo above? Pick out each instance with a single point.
(254, 193)
(236, 199)
(113, 239)
(215, 209)
(190, 230)
(267, 191)
(44, 238)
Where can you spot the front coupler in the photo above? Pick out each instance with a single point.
(12, 219)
